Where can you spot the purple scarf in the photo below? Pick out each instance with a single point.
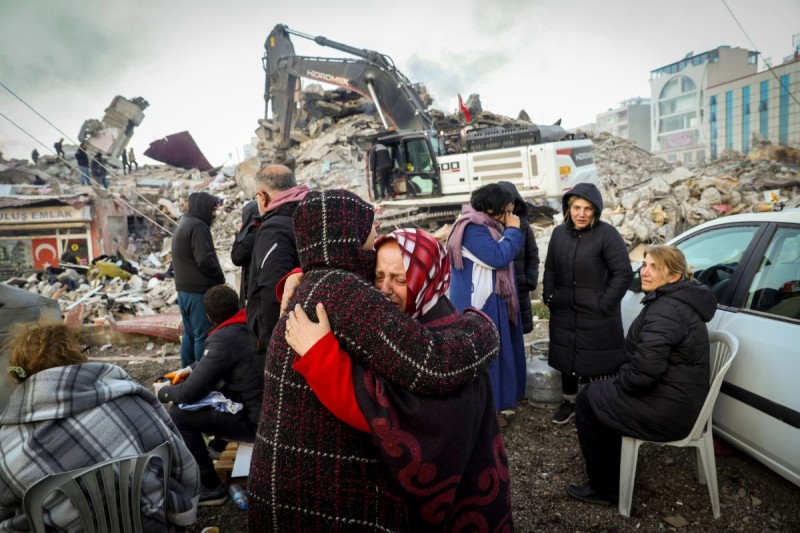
(504, 285)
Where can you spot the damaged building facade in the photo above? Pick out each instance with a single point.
(37, 231)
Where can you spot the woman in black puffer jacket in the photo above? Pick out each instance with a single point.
(663, 383)
(586, 274)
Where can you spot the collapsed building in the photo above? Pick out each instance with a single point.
(647, 199)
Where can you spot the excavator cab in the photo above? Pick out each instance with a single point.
(415, 172)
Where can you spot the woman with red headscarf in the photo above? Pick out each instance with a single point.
(446, 456)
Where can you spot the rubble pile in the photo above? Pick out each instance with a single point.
(646, 198)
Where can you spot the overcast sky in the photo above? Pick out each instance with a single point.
(198, 62)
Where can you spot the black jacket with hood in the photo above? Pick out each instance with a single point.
(526, 262)
(664, 381)
(586, 274)
(243, 245)
(194, 259)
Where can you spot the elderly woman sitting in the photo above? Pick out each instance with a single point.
(661, 387)
(67, 413)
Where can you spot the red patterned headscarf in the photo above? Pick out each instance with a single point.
(427, 268)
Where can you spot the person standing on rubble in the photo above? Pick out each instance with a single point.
(274, 251)
(132, 160)
(82, 158)
(99, 170)
(35, 156)
(59, 146)
(196, 269)
(380, 166)
(586, 274)
(126, 167)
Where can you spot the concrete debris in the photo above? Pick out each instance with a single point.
(646, 198)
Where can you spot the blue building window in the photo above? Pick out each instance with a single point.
(712, 143)
(729, 119)
(783, 114)
(745, 119)
(763, 110)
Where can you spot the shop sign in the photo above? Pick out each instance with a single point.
(41, 215)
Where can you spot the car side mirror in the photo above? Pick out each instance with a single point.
(636, 282)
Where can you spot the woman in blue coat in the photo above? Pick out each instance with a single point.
(482, 246)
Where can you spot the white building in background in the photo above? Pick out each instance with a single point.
(249, 150)
(764, 105)
(679, 121)
(631, 120)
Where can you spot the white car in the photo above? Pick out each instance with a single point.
(751, 262)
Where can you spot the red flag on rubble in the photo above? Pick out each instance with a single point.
(464, 110)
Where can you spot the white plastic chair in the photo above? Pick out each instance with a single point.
(724, 346)
(107, 496)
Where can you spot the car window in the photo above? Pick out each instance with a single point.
(776, 286)
(713, 255)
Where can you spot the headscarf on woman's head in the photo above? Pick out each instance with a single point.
(330, 228)
(427, 268)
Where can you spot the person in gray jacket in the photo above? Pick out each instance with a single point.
(586, 274)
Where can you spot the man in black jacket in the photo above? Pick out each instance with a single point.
(196, 268)
(231, 366)
(243, 244)
(275, 251)
(380, 165)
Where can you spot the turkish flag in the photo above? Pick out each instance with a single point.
(464, 110)
(45, 253)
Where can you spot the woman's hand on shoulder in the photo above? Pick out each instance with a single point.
(302, 333)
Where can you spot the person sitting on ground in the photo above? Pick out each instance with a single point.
(68, 413)
(663, 383)
(467, 489)
(229, 365)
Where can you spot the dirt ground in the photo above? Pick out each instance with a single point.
(545, 457)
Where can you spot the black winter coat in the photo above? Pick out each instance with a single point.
(230, 365)
(526, 274)
(194, 259)
(243, 245)
(586, 275)
(662, 385)
(274, 256)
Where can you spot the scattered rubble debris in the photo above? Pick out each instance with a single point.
(111, 135)
(646, 198)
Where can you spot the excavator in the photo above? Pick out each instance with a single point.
(432, 177)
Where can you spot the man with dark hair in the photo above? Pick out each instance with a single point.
(275, 251)
(196, 269)
(230, 360)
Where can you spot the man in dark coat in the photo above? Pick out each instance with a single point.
(275, 251)
(196, 269)
(663, 383)
(230, 366)
(243, 244)
(82, 159)
(586, 274)
(380, 166)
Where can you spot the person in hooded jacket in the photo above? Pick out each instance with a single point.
(663, 382)
(243, 244)
(196, 269)
(586, 274)
(526, 262)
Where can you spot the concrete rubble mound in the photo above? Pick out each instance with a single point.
(646, 198)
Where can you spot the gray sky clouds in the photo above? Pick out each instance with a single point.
(198, 62)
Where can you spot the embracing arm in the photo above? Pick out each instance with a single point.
(376, 334)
